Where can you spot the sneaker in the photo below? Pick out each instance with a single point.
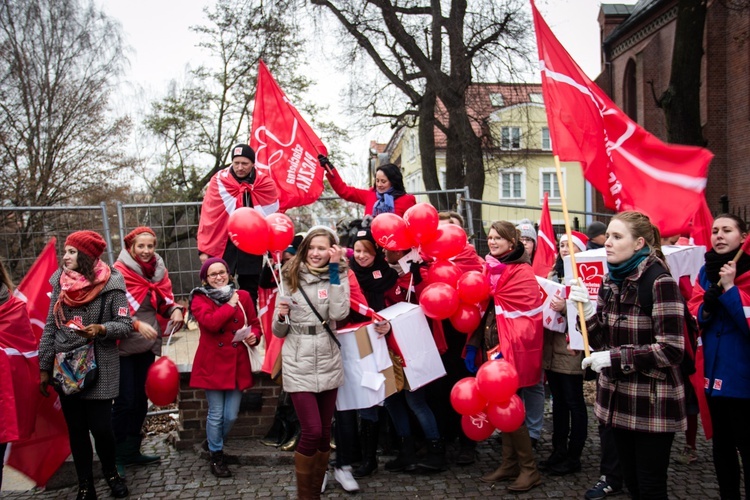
(344, 477)
(601, 489)
(688, 456)
(325, 483)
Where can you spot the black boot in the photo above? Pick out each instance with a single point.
(277, 434)
(369, 435)
(435, 459)
(406, 459)
(116, 484)
(467, 451)
(218, 466)
(86, 490)
(293, 436)
(572, 462)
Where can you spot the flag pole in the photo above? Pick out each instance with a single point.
(571, 249)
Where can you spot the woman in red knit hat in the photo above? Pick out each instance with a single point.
(88, 304)
(148, 283)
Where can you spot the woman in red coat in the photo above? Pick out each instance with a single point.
(222, 366)
(388, 195)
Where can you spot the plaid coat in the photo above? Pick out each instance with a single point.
(643, 390)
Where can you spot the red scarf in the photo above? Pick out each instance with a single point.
(76, 290)
(138, 287)
(223, 196)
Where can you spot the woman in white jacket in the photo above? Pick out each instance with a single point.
(315, 280)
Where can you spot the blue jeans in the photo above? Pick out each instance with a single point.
(417, 401)
(533, 400)
(223, 407)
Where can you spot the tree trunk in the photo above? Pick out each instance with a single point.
(426, 131)
(681, 100)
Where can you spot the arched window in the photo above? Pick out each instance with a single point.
(630, 91)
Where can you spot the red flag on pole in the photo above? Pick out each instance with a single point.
(630, 167)
(285, 145)
(35, 287)
(546, 250)
(40, 455)
(703, 221)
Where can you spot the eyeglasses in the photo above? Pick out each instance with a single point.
(220, 274)
(524, 239)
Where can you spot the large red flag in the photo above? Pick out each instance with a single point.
(285, 145)
(35, 287)
(630, 167)
(703, 221)
(39, 456)
(546, 249)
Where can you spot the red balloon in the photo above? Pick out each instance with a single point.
(280, 232)
(423, 221)
(248, 230)
(473, 287)
(466, 319)
(438, 300)
(162, 382)
(497, 380)
(508, 416)
(444, 271)
(391, 232)
(465, 397)
(451, 239)
(477, 427)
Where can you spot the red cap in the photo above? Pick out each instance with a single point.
(88, 242)
(130, 238)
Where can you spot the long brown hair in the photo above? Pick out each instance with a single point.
(640, 226)
(507, 231)
(291, 269)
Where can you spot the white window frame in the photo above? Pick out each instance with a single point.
(510, 137)
(549, 139)
(551, 171)
(522, 180)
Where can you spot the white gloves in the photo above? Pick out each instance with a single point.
(597, 361)
(579, 293)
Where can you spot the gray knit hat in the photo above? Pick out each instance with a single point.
(527, 229)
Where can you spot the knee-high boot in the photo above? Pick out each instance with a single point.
(304, 468)
(509, 468)
(529, 476)
(319, 472)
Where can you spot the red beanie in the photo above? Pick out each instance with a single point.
(130, 238)
(88, 242)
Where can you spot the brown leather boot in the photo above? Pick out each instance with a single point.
(319, 471)
(529, 476)
(508, 467)
(304, 468)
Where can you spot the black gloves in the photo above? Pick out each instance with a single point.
(414, 270)
(711, 299)
(325, 162)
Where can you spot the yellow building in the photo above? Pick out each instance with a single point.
(520, 167)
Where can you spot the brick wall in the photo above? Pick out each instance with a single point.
(250, 422)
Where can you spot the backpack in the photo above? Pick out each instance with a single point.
(646, 300)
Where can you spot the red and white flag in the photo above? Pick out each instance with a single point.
(285, 145)
(546, 250)
(703, 221)
(35, 288)
(44, 451)
(630, 167)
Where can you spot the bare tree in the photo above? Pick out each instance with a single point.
(430, 51)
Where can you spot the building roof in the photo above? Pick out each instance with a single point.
(617, 9)
(482, 100)
(640, 11)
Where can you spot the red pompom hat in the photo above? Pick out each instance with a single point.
(88, 242)
(130, 237)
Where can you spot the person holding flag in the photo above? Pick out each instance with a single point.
(720, 301)
(388, 195)
(149, 292)
(640, 388)
(237, 185)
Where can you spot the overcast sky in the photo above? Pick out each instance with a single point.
(162, 45)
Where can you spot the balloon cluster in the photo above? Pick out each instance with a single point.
(489, 401)
(162, 382)
(254, 234)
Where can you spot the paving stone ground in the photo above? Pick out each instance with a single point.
(265, 473)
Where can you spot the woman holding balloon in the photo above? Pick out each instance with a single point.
(512, 330)
(388, 195)
(148, 283)
(221, 367)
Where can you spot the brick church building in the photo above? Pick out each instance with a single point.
(637, 43)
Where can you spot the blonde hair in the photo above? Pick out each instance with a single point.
(640, 226)
(451, 215)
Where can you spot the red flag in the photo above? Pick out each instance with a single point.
(546, 250)
(39, 456)
(630, 167)
(702, 223)
(285, 145)
(35, 288)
